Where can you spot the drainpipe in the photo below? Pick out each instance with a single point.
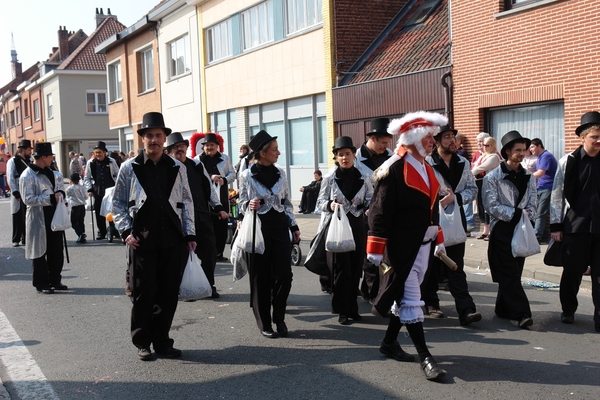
(448, 106)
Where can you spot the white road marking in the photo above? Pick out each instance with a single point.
(26, 376)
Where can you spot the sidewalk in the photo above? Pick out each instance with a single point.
(475, 254)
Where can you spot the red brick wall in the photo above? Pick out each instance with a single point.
(546, 53)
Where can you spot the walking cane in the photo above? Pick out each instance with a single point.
(66, 248)
(92, 210)
(253, 256)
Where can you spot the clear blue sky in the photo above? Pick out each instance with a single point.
(34, 24)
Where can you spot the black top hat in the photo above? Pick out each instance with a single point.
(445, 128)
(24, 144)
(100, 146)
(379, 127)
(343, 142)
(43, 149)
(175, 138)
(153, 120)
(260, 140)
(588, 119)
(511, 137)
(210, 138)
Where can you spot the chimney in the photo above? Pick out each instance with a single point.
(63, 43)
(100, 16)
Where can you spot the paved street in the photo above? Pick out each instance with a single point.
(76, 344)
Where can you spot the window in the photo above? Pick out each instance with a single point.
(423, 12)
(96, 102)
(26, 108)
(146, 64)
(114, 82)
(301, 14)
(49, 111)
(509, 4)
(18, 113)
(218, 40)
(36, 110)
(257, 25)
(12, 119)
(179, 56)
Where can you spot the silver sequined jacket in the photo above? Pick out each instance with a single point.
(76, 195)
(36, 190)
(358, 163)
(129, 189)
(278, 197)
(466, 186)
(13, 181)
(558, 204)
(225, 168)
(331, 191)
(88, 179)
(499, 197)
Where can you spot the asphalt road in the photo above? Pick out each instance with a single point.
(76, 344)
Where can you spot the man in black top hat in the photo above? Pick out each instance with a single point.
(508, 193)
(100, 173)
(14, 168)
(575, 217)
(42, 188)
(374, 152)
(205, 198)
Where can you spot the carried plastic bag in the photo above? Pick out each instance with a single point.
(451, 224)
(106, 205)
(61, 221)
(339, 237)
(194, 284)
(524, 242)
(244, 240)
(239, 259)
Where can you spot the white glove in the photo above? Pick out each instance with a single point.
(439, 249)
(431, 233)
(375, 259)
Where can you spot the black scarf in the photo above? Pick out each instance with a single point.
(268, 175)
(349, 181)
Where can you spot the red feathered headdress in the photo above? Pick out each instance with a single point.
(196, 143)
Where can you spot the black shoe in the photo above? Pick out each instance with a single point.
(59, 286)
(169, 352)
(45, 290)
(470, 317)
(83, 240)
(282, 329)
(100, 237)
(567, 318)
(395, 351)
(16, 244)
(268, 333)
(214, 294)
(525, 322)
(144, 354)
(222, 259)
(343, 319)
(431, 370)
(22, 242)
(435, 312)
(355, 317)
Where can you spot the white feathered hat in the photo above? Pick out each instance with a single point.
(415, 126)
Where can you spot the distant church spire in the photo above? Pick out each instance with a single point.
(13, 50)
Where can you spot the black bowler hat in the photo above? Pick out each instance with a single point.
(445, 128)
(379, 127)
(588, 119)
(100, 146)
(24, 144)
(43, 149)
(210, 138)
(343, 142)
(511, 137)
(175, 138)
(153, 120)
(260, 140)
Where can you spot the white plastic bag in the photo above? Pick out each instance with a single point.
(238, 259)
(106, 205)
(244, 240)
(194, 284)
(451, 224)
(524, 243)
(339, 237)
(61, 221)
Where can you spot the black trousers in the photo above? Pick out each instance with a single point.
(308, 201)
(18, 223)
(511, 300)
(47, 268)
(457, 282)
(346, 271)
(78, 219)
(206, 249)
(220, 232)
(155, 283)
(271, 272)
(100, 220)
(580, 250)
(370, 282)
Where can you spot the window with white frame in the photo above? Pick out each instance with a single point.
(179, 56)
(18, 110)
(257, 25)
(302, 14)
(36, 110)
(96, 102)
(114, 82)
(146, 64)
(49, 106)
(218, 41)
